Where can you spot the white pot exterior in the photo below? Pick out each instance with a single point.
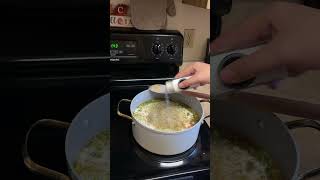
(164, 143)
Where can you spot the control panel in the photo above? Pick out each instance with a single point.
(134, 47)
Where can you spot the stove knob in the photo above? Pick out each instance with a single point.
(171, 49)
(156, 49)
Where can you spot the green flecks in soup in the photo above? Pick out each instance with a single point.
(167, 117)
(235, 158)
(94, 159)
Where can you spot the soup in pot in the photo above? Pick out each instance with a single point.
(166, 116)
(236, 158)
(94, 159)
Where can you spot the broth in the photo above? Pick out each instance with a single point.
(236, 158)
(168, 117)
(94, 159)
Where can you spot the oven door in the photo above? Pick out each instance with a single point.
(38, 90)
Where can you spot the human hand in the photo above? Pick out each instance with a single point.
(291, 32)
(199, 72)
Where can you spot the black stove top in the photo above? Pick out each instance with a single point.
(130, 161)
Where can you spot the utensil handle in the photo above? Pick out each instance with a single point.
(207, 101)
(120, 113)
(275, 104)
(33, 166)
(196, 94)
(302, 123)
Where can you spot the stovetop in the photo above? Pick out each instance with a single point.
(130, 161)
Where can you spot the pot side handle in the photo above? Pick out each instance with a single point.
(33, 166)
(302, 123)
(120, 113)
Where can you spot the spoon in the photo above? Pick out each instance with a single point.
(161, 89)
(158, 88)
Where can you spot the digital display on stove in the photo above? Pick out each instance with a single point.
(118, 44)
(114, 45)
(123, 48)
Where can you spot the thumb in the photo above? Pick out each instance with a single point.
(189, 82)
(250, 66)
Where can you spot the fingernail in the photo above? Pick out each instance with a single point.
(228, 76)
(182, 85)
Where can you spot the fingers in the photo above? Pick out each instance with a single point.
(250, 66)
(186, 71)
(251, 32)
(189, 82)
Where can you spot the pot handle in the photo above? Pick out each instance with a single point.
(301, 123)
(33, 166)
(120, 113)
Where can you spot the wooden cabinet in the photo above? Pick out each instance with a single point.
(198, 3)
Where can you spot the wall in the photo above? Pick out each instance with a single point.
(242, 9)
(189, 17)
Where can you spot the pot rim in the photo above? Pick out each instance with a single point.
(296, 149)
(71, 169)
(201, 120)
(295, 174)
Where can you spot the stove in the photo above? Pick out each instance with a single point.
(60, 94)
(58, 86)
(53, 62)
(140, 59)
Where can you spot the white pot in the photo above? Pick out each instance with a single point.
(164, 143)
